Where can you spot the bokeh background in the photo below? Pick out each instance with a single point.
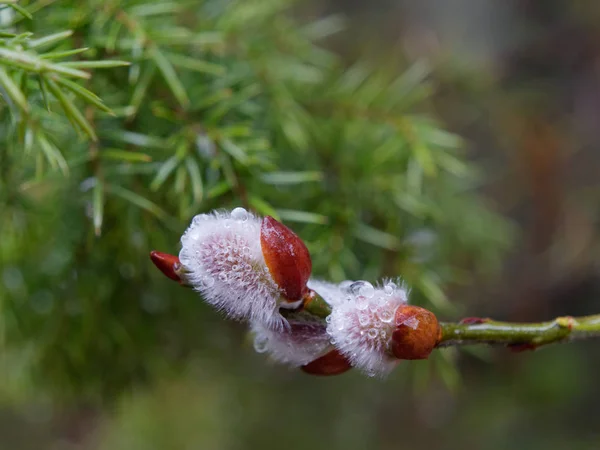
(450, 142)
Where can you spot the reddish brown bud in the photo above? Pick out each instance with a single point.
(332, 363)
(286, 256)
(519, 348)
(474, 320)
(167, 264)
(417, 333)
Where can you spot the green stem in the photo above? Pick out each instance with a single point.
(491, 332)
(487, 331)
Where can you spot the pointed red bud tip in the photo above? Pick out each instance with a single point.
(417, 333)
(167, 264)
(287, 258)
(332, 363)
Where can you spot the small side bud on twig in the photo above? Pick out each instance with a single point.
(525, 347)
(417, 333)
(474, 320)
(331, 363)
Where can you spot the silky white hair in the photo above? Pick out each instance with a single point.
(362, 323)
(223, 260)
(302, 342)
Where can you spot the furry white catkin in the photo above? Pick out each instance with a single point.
(362, 323)
(223, 259)
(302, 342)
(222, 256)
(305, 339)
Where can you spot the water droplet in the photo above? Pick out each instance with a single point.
(261, 343)
(363, 288)
(227, 223)
(413, 323)
(355, 287)
(345, 285)
(386, 315)
(389, 288)
(367, 290)
(339, 325)
(223, 277)
(364, 319)
(239, 215)
(362, 303)
(328, 319)
(372, 333)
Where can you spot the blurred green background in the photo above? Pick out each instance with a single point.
(449, 142)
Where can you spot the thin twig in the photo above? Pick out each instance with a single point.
(522, 335)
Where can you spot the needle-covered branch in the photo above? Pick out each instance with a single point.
(224, 103)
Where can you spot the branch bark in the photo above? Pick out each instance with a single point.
(521, 335)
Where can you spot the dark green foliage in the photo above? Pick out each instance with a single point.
(120, 120)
